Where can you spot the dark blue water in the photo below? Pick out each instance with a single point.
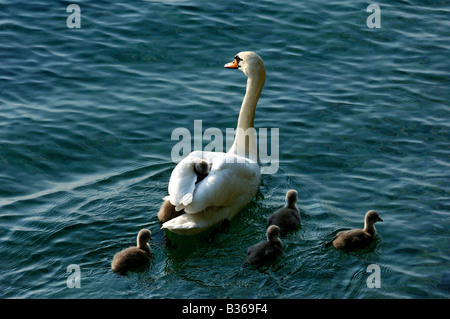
(86, 117)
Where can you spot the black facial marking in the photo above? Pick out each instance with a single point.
(238, 59)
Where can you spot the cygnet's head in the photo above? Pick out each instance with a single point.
(143, 237)
(273, 232)
(372, 217)
(248, 62)
(291, 197)
(201, 167)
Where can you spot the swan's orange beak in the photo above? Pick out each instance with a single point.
(232, 65)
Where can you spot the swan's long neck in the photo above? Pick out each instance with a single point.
(245, 128)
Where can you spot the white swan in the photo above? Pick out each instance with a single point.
(234, 177)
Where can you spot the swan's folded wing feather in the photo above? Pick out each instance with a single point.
(182, 183)
(227, 182)
(231, 177)
(191, 224)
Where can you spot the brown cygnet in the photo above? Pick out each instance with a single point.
(357, 238)
(266, 251)
(288, 217)
(167, 212)
(201, 168)
(133, 257)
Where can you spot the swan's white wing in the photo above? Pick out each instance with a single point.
(182, 182)
(226, 183)
(231, 178)
(191, 224)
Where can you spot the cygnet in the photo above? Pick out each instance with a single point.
(288, 217)
(133, 257)
(357, 238)
(201, 168)
(167, 212)
(266, 251)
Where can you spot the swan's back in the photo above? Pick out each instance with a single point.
(230, 177)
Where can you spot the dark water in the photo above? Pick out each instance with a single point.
(86, 117)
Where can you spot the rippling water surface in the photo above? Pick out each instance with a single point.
(86, 117)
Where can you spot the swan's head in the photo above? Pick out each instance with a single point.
(248, 62)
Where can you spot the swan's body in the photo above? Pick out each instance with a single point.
(133, 257)
(233, 178)
(266, 251)
(288, 217)
(357, 238)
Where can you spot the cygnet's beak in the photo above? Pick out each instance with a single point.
(379, 219)
(232, 65)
